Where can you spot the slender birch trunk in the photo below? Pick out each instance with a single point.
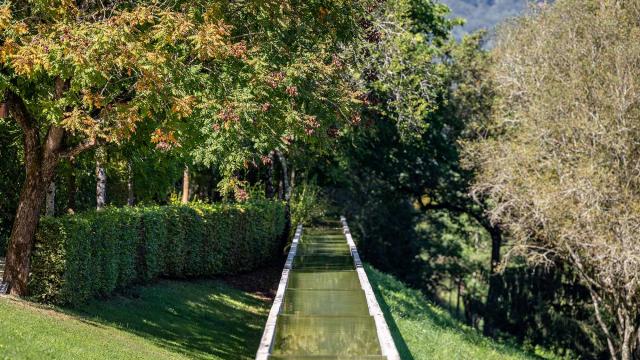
(131, 199)
(101, 185)
(50, 207)
(186, 179)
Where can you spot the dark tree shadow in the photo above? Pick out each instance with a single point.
(197, 318)
(403, 349)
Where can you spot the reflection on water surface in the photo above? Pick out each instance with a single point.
(325, 312)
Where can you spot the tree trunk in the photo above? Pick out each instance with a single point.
(285, 177)
(41, 161)
(270, 190)
(286, 191)
(101, 186)
(625, 351)
(292, 183)
(450, 303)
(629, 329)
(72, 188)
(131, 199)
(50, 207)
(458, 298)
(40, 164)
(212, 185)
(23, 231)
(186, 179)
(491, 307)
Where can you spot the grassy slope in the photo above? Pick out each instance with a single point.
(422, 330)
(169, 320)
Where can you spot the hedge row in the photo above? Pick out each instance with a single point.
(86, 255)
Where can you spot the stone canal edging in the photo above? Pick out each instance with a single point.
(325, 307)
(266, 344)
(387, 344)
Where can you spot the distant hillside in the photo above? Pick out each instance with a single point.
(484, 14)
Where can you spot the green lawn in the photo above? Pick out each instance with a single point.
(169, 320)
(422, 330)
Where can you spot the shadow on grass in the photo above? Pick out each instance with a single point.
(403, 349)
(405, 303)
(202, 319)
(401, 345)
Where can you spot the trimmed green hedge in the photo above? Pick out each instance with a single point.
(81, 256)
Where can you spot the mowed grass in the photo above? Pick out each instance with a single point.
(169, 320)
(422, 330)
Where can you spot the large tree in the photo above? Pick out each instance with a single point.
(291, 93)
(425, 93)
(78, 73)
(559, 160)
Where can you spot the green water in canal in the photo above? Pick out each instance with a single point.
(325, 314)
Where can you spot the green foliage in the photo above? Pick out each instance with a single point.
(152, 244)
(308, 204)
(453, 249)
(93, 254)
(291, 91)
(394, 60)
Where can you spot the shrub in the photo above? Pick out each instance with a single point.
(308, 204)
(81, 256)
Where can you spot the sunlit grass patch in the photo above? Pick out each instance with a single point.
(169, 320)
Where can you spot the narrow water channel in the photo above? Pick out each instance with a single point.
(325, 314)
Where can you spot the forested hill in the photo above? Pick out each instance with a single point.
(483, 14)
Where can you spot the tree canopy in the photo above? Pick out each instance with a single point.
(559, 159)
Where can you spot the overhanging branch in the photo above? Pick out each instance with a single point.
(75, 151)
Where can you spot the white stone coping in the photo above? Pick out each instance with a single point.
(387, 345)
(269, 334)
